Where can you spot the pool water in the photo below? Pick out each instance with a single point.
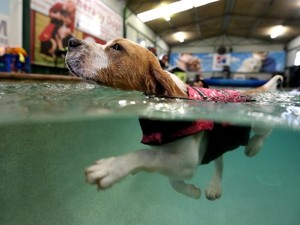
(50, 132)
(68, 101)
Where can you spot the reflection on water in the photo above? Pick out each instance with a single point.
(21, 101)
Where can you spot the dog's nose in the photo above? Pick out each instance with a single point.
(73, 42)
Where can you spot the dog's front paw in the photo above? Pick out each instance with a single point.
(214, 190)
(189, 190)
(107, 172)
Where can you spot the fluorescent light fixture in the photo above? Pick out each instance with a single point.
(198, 3)
(277, 31)
(167, 17)
(167, 10)
(164, 10)
(180, 36)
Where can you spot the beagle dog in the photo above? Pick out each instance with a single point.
(177, 147)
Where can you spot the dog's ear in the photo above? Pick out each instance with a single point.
(164, 83)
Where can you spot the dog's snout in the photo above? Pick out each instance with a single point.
(73, 42)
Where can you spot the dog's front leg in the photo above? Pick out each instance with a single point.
(178, 160)
(256, 142)
(214, 189)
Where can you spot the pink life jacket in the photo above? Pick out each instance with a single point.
(216, 95)
(158, 132)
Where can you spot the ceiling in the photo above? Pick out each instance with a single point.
(240, 18)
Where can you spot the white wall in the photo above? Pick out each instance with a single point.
(292, 48)
(115, 5)
(162, 47)
(136, 30)
(11, 22)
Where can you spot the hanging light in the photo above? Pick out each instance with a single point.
(180, 36)
(170, 9)
(277, 31)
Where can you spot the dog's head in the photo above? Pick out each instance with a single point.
(120, 64)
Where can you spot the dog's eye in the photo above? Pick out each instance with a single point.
(117, 47)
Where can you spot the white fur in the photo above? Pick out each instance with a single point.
(100, 60)
(178, 82)
(89, 68)
(271, 85)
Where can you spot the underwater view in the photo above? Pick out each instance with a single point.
(51, 131)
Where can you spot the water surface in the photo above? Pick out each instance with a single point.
(40, 101)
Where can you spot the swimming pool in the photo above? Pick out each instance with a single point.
(51, 131)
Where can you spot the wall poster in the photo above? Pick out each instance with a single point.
(54, 22)
(244, 62)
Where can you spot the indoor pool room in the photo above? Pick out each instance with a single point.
(183, 112)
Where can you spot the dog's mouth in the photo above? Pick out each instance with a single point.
(71, 69)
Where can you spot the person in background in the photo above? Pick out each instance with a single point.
(57, 33)
(152, 49)
(68, 18)
(226, 71)
(164, 61)
(199, 82)
(47, 37)
(268, 62)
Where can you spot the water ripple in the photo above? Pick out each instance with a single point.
(66, 100)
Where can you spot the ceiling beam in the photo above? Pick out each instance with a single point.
(227, 15)
(195, 42)
(295, 22)
(196, 21)
(261, 17)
